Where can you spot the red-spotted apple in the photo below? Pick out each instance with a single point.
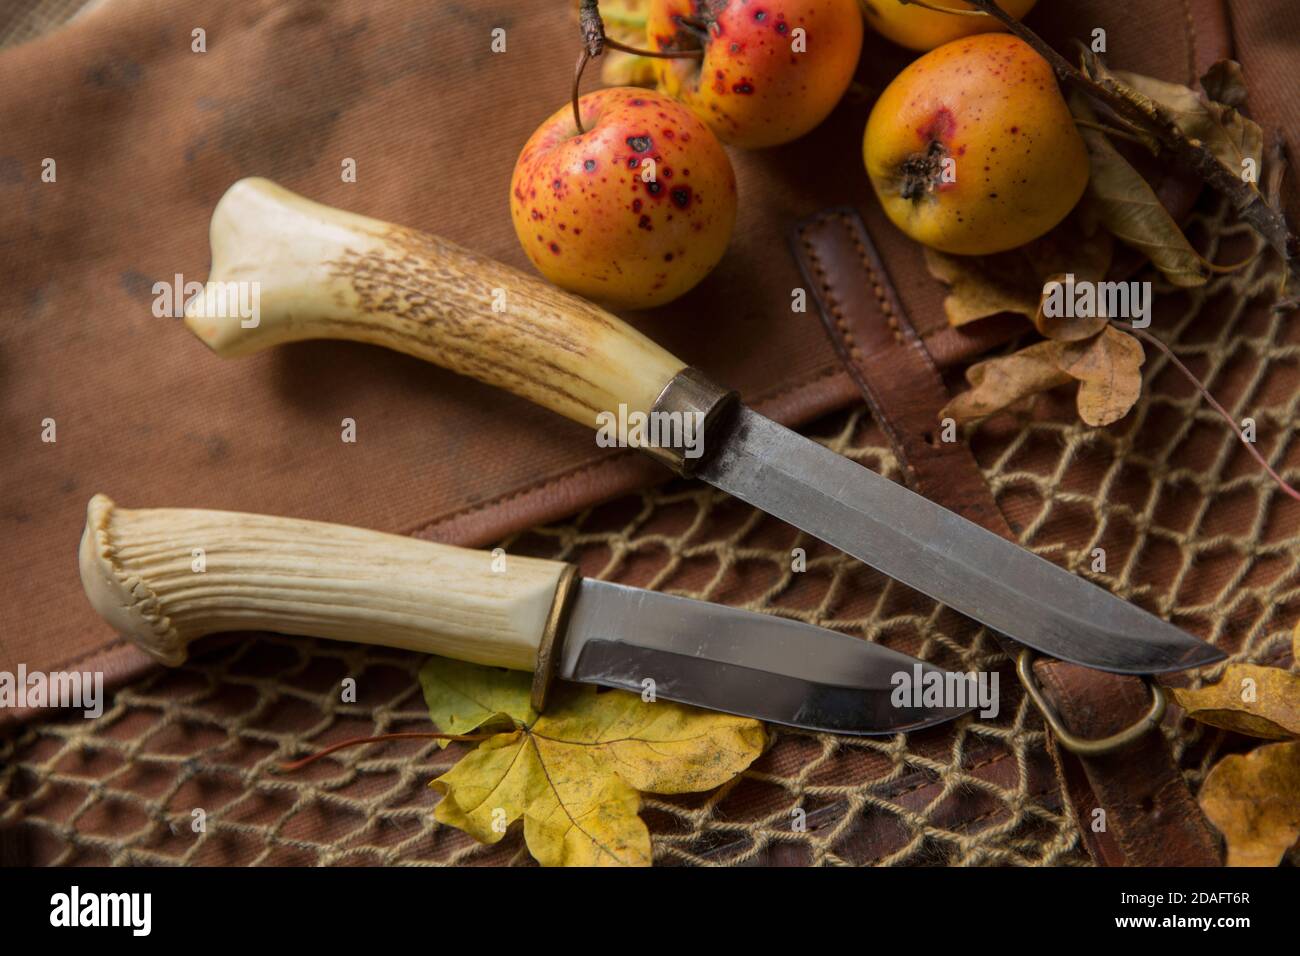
(771, 70)
(633, 211)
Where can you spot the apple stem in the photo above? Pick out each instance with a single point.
(959, 13)
(661, 54)
(583, 57)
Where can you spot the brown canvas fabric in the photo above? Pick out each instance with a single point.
(1202, 537)
(148, 134)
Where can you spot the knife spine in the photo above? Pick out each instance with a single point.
(166, 576)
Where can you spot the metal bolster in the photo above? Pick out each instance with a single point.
(690, 392)
(1082, 746)
(549, 650)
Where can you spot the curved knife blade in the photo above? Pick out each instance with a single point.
(741, 662)
(940, 553)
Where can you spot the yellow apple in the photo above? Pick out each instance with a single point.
(972, 150)
(920, 29)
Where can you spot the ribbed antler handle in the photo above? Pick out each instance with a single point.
(318, 272)
(165, 576)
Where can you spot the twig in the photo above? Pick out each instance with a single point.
(594, 42)
(592, 27)
(357, 741)
(1110, 131)
(1249, 204)
(1214, 403)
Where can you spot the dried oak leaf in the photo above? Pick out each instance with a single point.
(978, 288)
(574, 773)
(1254, 801)
(1013, 281)
(1249, 699)
(1129, 208)
(1109, 369)
(998, 383)
(1060, 325)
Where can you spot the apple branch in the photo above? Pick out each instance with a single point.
(1249, 204)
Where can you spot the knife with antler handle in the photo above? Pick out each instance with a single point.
(326, 273)
(163, 577)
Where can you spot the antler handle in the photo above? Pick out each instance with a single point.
(324, 273)
(165, 576)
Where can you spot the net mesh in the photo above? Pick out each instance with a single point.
(1190, 528)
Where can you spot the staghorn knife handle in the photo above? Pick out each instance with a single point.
(326, 273)
(141, 571)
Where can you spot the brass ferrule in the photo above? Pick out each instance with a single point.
(690, 392)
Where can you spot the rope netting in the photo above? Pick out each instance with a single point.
(1189, 525)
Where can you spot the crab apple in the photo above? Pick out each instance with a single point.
(920, 29)
(971, 149)
(632, 212)
(771, 70)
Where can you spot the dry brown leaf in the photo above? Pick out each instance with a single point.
(1129, 209)
(1254, 801)
(1231, 137)
(1225, 83)
(1249, 699)
(1066, 328)
(978, 288)
(1001, 382)
(1109, 370)
(1012, 281)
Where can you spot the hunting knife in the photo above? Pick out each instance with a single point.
(289, 576)
(326, 273)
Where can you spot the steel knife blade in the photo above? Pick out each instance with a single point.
(741, 662)
(936, 551)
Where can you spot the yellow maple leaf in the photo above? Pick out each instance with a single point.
(1249, 699)
(574, 774)
(1252, 800)
(461, 700)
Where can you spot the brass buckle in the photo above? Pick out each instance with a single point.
(1082, 746)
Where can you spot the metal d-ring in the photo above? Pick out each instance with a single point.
(1086, 747)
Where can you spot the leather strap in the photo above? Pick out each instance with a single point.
(1151, 818)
